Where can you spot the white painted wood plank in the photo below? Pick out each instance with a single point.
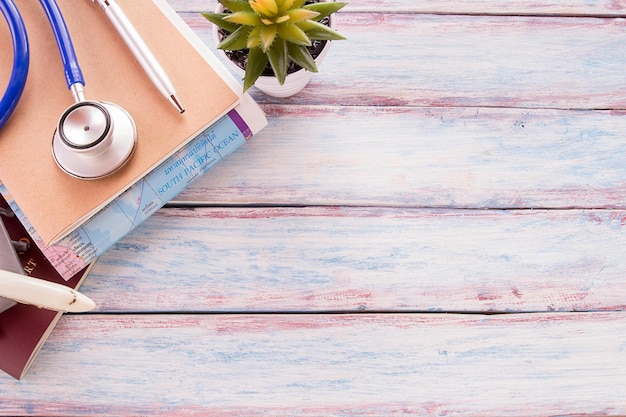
(434, 60)
(337, 365)
(509, 7)
(452, 157)
(325, 258)
(362, 259)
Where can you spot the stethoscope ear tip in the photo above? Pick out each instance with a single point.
(93, 139)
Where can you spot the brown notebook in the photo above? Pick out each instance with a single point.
(54, 202)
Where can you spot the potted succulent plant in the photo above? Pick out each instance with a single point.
(275, 44)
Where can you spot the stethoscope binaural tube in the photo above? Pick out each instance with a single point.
(92, 139)
(73, 74)
(21, 60)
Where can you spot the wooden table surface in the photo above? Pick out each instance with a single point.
(435, 226)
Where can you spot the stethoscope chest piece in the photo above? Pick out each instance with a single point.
(93, 139)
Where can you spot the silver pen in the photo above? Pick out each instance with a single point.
(141, 51)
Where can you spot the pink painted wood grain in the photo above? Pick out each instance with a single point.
(328, 365)
(495, 7)
(426, 157)
(463, 60)
(353, 259)
(473, 163)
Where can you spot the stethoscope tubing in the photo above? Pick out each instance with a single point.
(73, 73)
(21, 60)
(98, 146)
(21, 53)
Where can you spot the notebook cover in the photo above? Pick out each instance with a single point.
(51, 199)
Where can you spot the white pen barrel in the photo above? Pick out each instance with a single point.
(41, 293)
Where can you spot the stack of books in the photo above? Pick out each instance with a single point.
(72, 221)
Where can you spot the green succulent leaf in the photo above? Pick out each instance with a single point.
(284, 5)
(254, 38)
(267, 34)
(236, 5)
(292, 33)
(267, 8)
(257, 61)
(279, 59)
(218, 20)
(319, 31)
(326, 8)
(301, 56)
(244, 18)
(236, 40)
(300, 15)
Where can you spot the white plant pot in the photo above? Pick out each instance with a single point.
(294, 82)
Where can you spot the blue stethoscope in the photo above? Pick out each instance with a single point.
(92, 139)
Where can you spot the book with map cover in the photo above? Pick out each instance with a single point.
(72, 253)
(56, 203)
(25, 328)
